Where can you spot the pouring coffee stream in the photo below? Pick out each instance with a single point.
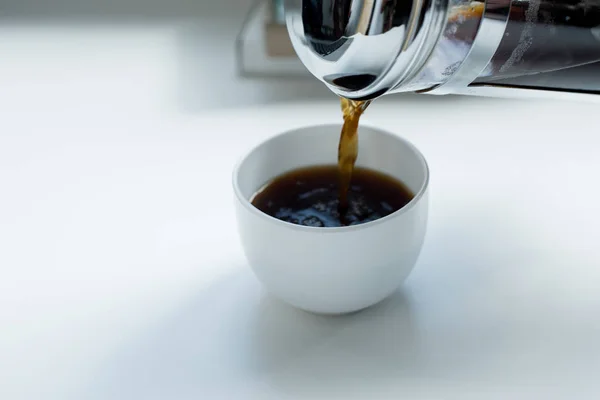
(348, 147)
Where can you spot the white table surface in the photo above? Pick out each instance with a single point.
(122, 276)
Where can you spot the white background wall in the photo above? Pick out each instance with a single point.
(131, 54)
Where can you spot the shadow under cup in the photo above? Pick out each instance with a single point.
(331, 270)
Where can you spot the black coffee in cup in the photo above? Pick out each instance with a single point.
(311, 197)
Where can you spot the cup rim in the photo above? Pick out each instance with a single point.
(246, 203)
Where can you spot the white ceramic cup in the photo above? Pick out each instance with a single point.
(331, 270)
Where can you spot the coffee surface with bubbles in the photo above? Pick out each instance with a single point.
(311, 197)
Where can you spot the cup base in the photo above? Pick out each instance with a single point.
(340, 313)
